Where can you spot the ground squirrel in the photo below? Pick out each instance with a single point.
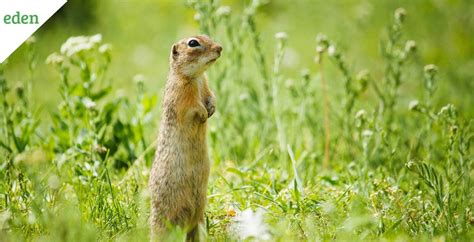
(180, 171)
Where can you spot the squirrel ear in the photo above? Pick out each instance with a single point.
(174, 52)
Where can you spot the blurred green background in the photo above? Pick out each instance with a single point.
(371, 187)
(141, 33)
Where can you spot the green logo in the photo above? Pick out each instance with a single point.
(19, 18)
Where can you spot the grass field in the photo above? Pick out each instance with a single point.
(325, 131)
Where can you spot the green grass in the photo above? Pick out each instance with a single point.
(327, 152)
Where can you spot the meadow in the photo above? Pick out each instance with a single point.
(323, 130)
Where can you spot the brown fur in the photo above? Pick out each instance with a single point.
(180, 171)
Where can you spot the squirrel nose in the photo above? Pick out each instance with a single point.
(218, 49)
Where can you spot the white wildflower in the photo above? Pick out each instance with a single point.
(367, 133)
(361, 114)
(71, 44)
(81, 47)
(281, 36)
(319, 48)
(223, 11)
(77, 44)
(88, 103)
(249, 224)
(95, 39)
(105, 48)
(54, 59)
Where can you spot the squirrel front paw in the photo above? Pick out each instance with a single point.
(201, 118)
(210, 106)
(201, 115)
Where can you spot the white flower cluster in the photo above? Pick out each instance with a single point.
(55, 59)
(105, 48)
(250, 225)
(78, 44)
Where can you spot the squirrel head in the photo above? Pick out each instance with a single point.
(192, 56)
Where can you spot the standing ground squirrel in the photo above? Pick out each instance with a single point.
(180, 171)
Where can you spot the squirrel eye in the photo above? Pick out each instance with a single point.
(193, 43)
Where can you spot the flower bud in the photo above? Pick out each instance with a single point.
(321, 39)
(400, 14)
(55, 59)
(360, 114)
(363, 78)
(410, 46)
(367, 133)
(431, 69)
(281, 36)
(31, 40)
(320, 49)
(331, 50)
(413, 105)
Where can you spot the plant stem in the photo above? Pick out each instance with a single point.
(327, 129)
